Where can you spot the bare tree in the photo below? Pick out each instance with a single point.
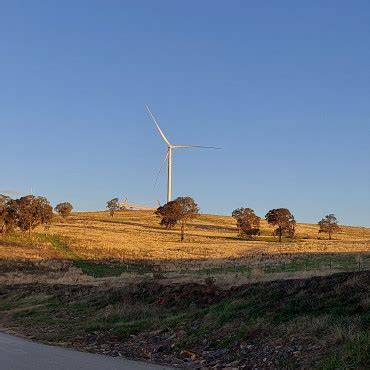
(64, 209)
(180, 210)
(329, 225)
(247, 222)
(113, 206)
(283, 219)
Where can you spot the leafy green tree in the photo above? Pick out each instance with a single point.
(180, 210)
(247, 222)
(113, 206)
(329, 225)
(64, 209)
(283, 219)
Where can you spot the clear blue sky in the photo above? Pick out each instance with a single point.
(283, 87)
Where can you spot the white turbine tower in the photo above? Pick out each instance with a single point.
(169, 154)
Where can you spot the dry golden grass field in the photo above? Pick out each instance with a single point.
(211, 243)
(138, 235)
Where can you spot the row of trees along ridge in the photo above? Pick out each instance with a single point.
(182, 209)
(248, 223)
(28, 212)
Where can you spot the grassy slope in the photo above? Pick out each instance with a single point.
(134, 242)
(322, 322)
(319, 322)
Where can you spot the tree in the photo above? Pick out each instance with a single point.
(113, 206)
(186, 210)
(180, 210)
(64, 209)
(4, 200)
(247, 222)
(28, 212)
(329, 225)
(237, 214)
(168, 215)
(283, 219)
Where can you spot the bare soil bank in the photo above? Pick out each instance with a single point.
(320, 322)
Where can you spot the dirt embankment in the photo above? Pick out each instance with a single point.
(307, 323)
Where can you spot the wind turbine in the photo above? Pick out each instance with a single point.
(168, 157)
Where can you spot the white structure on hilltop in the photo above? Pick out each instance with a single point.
(124, 204)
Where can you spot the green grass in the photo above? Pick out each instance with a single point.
(225, 269)
(352, 355)
(335, 262)
(61, 245)
(7, 306)
(344, 262)
(25, 313)
(98, 270)
(93, 268)
(101, 269)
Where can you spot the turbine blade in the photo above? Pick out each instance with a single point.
(160, 169)
(195, 146)
(159, 129)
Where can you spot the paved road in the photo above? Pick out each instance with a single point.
(23, 354)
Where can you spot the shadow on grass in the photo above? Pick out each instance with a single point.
(263, 263)
(97, 269)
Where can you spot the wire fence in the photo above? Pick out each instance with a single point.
(266, 264)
